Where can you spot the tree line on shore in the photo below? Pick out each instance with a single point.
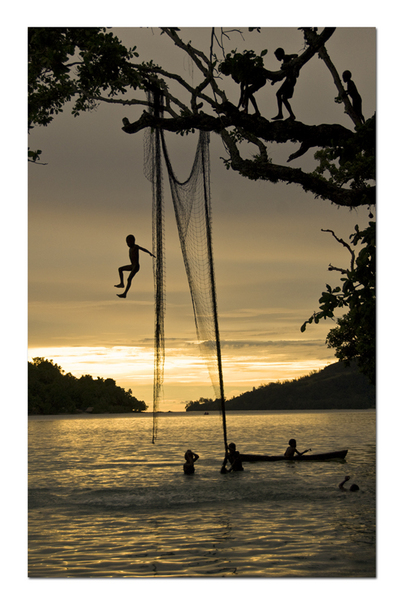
(335, 387)
(52, 391)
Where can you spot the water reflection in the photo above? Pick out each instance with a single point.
(105, 502)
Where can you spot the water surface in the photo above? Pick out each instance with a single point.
(106, 502)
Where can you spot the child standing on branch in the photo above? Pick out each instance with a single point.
(133, 267)
(286, 90)
(247, 69)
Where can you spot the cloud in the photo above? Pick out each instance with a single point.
(271, 257)
(238, 345)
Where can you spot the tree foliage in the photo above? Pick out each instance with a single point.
(354, 337)
(201, 404)
(335, 387)
(74, 63)
(91, 65)
(239, 65)
(51, 391)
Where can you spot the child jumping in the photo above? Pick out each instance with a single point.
(133, 267)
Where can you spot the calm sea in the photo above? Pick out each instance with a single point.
(106, 502)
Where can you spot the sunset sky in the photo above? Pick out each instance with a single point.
(271, 258)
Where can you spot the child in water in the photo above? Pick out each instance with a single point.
(353, 488)
(291, 450)
(233, 456)
(190, 457)
(133, 267)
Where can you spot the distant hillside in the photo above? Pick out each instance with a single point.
(335, 387)
(53, 392)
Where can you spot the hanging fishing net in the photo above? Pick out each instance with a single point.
(153, 172)
(192, 207)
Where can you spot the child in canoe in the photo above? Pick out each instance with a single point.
(291, 450)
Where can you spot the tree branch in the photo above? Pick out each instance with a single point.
(346, 245)
(264, 170)
(314, 44)
(270, 131)
(342, 271)
(261, 168)
(310, 37)
(200, 60)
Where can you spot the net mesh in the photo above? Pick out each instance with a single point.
(192, 207)
(153, 172)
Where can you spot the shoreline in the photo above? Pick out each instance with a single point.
(193, 413)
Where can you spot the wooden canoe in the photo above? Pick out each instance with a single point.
(307, 456)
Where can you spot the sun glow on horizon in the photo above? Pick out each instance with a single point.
(186, 373)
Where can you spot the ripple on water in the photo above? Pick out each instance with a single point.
(104, 502)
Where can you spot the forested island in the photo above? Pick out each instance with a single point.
(335, 387)
(53, 392)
